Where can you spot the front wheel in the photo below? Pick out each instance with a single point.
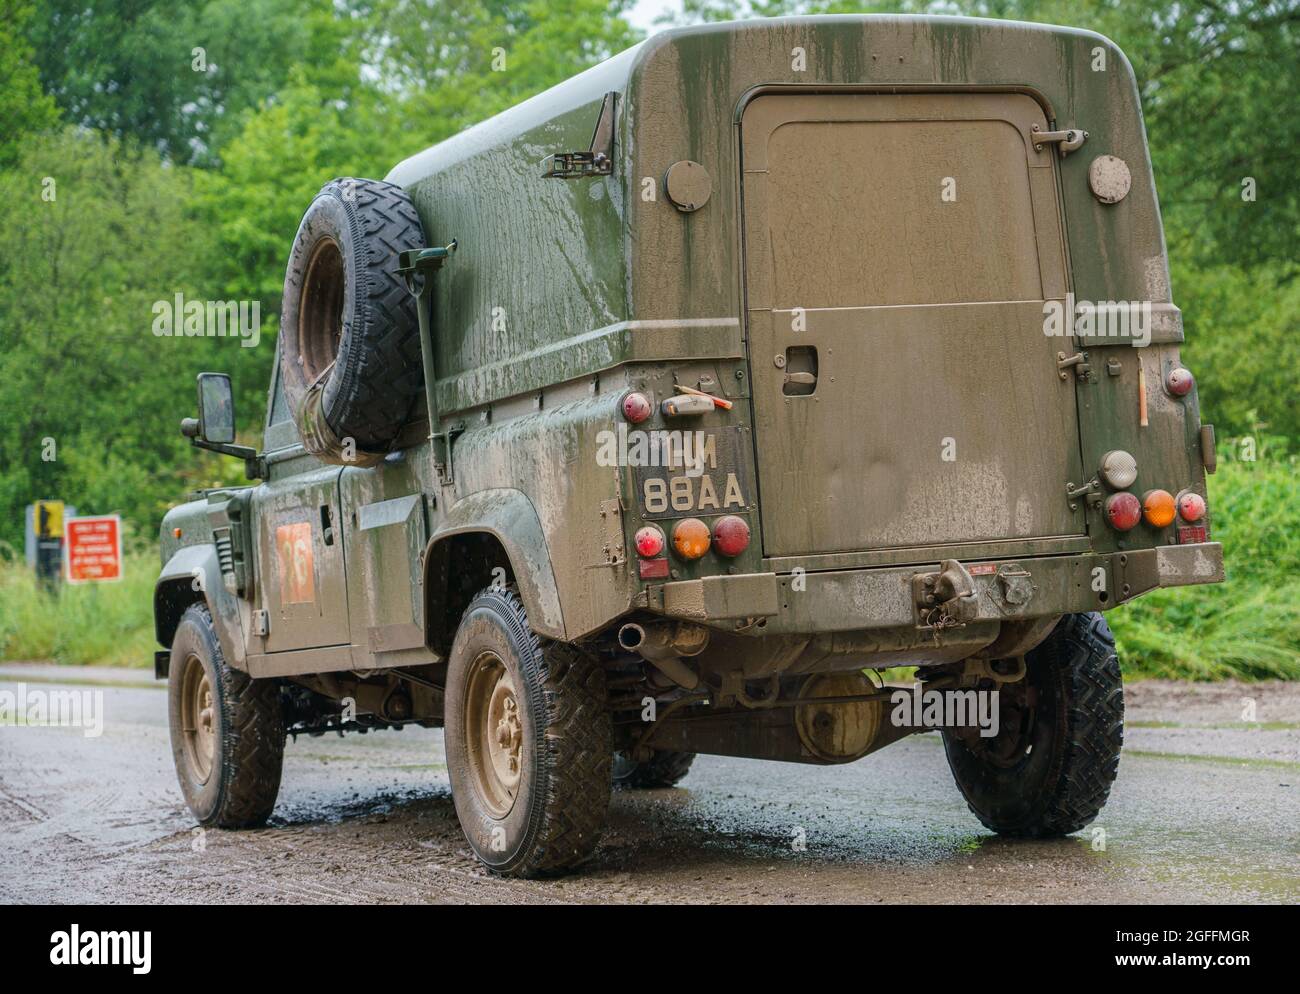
(1048, 770)
(528, 740)
(227, 730)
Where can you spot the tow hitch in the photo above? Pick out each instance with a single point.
(947, 598)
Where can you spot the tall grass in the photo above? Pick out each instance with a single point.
(1248, 627)
(103, 623)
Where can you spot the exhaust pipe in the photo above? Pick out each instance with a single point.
(663, 645)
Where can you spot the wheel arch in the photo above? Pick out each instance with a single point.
(491, 528)
(193, 576)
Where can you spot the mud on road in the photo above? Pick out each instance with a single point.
(1204, 810)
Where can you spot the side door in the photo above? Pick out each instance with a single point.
(303, 585)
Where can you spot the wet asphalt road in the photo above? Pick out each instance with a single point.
(1206, 808)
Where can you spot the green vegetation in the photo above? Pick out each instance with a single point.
(104, 623)
(150, 148)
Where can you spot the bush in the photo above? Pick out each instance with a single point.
(104, 623)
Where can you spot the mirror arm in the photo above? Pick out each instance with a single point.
(254, 462)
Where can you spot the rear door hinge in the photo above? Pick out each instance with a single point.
(1067, 141)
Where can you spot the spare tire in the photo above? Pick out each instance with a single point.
(349, 330)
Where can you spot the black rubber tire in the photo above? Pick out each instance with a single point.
(562, 800)
(244, 780)
(664, 769)
(377, 376)
(1073, 739)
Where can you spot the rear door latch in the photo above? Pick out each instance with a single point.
(1067, 140)
(1091, 491)
(1078, 361)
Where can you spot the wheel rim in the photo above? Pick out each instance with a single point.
(1017, 718)
(494, 734)
(320, 318)
(198, 720)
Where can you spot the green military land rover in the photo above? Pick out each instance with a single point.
(661, 413)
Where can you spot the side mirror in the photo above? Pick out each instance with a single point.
(216, 408)
(214, 428)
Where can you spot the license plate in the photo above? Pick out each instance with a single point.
(705, 474)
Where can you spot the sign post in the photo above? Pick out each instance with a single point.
(47, 524)
(94, 553)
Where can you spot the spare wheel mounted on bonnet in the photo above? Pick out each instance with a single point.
(349, 330)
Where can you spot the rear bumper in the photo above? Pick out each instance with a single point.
(859, 599)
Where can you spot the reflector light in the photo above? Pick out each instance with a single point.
(1158, 508)
(1191, 506)
(653, 569)
(730, 535)
(649, 541)
(636, 407)
(1123, 511)
(1179, 382)
(691, 538)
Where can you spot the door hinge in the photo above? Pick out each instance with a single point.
(261, 624)
(1078, 362)
(1067, 141)
(442, 443)
(598, 160)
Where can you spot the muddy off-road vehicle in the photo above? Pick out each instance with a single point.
(658, 414)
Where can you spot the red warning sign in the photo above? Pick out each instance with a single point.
(93, 549)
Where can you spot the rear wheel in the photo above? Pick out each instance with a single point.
(1049, 769)
(663, 769)
(227, 730)
(528, 742)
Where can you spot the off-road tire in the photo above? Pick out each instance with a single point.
(557, 814)
(248, 724)
(1074, 739)
(377, 376)
(664, 769)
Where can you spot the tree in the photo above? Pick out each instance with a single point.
(24, 108)
(97, 395)
(176, 75)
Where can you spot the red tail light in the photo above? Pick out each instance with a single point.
(649, 542)
(730, 536)
(1179, 382)
(1191, 506)
(636, 407)
(1123, 511)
